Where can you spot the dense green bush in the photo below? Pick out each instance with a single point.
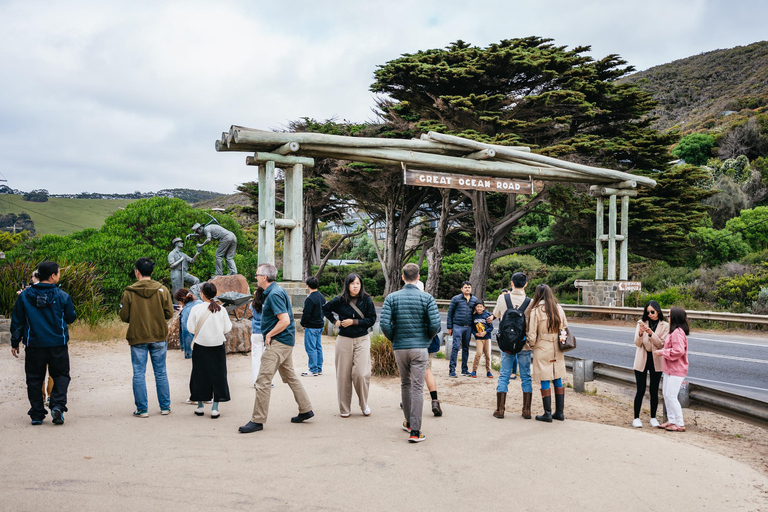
(753, 227)
(738, 293)
(714, 247)
(144, 229)
(695, 148)
(80, 280)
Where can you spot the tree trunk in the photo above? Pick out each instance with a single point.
(435, 253)
(309, 250)
(484, 245)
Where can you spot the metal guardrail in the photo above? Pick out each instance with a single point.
(712, 316)
(717, 400)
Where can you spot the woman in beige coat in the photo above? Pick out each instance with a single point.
(651, 333)
(545, 324)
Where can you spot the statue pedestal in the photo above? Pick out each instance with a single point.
(297, 292)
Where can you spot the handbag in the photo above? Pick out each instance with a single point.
(569, 343)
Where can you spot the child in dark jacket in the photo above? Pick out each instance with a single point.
(482, 330)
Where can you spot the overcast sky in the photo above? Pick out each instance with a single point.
(121, 96)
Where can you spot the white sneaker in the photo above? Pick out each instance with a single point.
(215, 414)
(654, 423)
(637, 423)
(308, 374)
(200, 411)
(367, 411)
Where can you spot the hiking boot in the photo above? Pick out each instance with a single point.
(250, 427)
(302, 417)
(546, 400)
(436, 410)
(58, 416)
(501, 405)
(416, 437)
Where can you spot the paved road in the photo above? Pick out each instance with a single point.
(735, 363)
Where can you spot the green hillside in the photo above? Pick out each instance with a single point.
(60, 216)
(709, 90)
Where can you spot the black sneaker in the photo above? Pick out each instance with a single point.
(416, 437)
(303, 416)
(251, 427)
(58, 417)
(37, 422)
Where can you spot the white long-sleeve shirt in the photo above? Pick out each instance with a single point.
(213, 330)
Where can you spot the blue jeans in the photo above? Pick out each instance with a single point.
(313, 346)
(461, 337)
(156, 352)
(508, 361)
(545, 384)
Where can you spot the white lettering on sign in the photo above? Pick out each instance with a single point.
(505, 185)
(630, 286)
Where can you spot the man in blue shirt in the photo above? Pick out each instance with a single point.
(279, 333)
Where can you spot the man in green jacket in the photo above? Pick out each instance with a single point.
(147, 306)
(410, 319)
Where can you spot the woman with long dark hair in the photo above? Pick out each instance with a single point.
(675, 368)
(209, 322)
(545, 324)
(354, 314)
(257, 337)
(650, 334)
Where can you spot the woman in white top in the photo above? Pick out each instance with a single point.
(209, 322)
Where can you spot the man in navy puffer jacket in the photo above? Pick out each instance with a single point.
(459, 326)
(40, 318)
(410, 319)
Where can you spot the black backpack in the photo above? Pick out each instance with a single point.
(511, 335)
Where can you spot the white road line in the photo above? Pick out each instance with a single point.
(704, 354)
(695, 338)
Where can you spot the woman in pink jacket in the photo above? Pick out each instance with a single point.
(675, 368)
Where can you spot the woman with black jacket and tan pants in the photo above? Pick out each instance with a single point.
(354, 314)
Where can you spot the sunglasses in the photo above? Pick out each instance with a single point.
(652, 312)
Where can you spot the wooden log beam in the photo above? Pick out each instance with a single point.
(541, 159)
(525, 149)
(289, 147)
(259, 157)
(605, 192)
(444, 163)
(484, 154)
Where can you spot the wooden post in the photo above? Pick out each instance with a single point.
(267, 213)
(612, 238)
(292, 245)
(598, 243)
(624, 257)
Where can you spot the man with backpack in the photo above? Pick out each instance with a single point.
(511, 338)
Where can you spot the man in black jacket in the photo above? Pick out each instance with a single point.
(312, 321)
(40, 318)
(459, 325)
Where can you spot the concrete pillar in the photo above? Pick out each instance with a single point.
(292, 245)
(612, 238)
(624, 257)
(267, 213)
(578, 376)
(600, 212)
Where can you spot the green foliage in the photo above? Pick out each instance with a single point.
(713, 247)
(761, 166)
(382, 356)
(144, 229)
(659, 276)
(695, 148)
(332, 279)
(760, 304)
(673, 296)
(80, 280)
(737, 293)
(9, 240)
(37, 196)
(727, 203)
(737, 169)
(753, 227)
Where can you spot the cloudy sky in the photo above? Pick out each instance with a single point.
(130, 95)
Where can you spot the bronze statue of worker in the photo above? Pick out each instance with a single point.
(179, 263)
(226, 249)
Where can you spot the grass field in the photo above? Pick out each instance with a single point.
(60, 216)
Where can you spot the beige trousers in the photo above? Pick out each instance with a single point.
(277, 357)
(353, 370)
(482, 346)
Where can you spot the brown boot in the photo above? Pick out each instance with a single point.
(501, 403)
(527, 405)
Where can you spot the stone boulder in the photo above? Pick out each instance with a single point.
(239, 338)
(236, 283)
(173, 331)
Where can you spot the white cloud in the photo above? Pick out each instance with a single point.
(124, 96)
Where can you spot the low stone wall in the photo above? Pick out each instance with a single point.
(5, 330)
(602, 293)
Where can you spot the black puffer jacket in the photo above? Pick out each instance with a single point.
(344, 311)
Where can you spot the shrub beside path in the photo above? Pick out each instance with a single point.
(103, 458)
